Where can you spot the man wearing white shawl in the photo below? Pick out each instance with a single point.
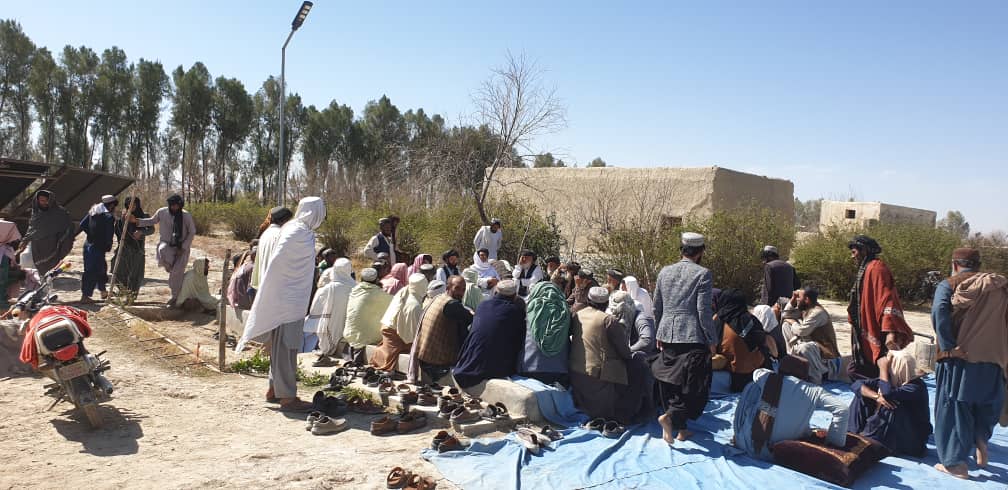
(280, 304)
(400, 323)
(642, 336)
(329, 308)
(267, 243)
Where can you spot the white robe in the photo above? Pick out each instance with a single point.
(486, 239)
(641, 297)
(327, 316)
(404, 312)
(267, 244)
(285, 287)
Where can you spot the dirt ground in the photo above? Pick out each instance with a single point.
(191, 428)
(167, 428)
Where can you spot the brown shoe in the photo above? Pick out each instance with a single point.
(384, 425)
(426, 399)
(450, 444)
(410, 398)
(410, 422)
(295, 405)
(398, 478)
(463, 416)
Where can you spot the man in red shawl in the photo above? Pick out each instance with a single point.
(875, 312)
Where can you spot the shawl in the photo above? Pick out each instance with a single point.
(327, 316)
(640, 296)
(484, 269)
(194, 285)
(732, 311)
(267, 243)
(284, 292)
(548, 317)
(48, 222)
(473, 295)
(29, 348)
(902, 367)
(875, 311)
(622, 307)
(404, 312)
(396, 278)
(417, 262)
(365, 308)
(980, 318)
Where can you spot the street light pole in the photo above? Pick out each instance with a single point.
(281, 172)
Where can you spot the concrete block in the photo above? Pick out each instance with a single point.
(519, 400)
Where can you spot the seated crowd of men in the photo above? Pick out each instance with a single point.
(624, 352)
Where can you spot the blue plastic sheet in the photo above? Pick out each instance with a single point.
(641, 459)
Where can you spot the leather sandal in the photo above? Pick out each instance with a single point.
(502, 411)
(595, 424)
(398, 478)
(403, 389)
(613, 429)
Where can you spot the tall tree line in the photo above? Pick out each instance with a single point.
(212, 139)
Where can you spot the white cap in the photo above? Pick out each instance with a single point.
(598, 294)
(435, 288)
(691, 239)
(507, 287)
(108, 198)
(369, 274)
(770, 248)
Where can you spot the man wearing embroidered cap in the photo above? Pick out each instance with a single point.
(495, 339)
(99, 227)
(687, 337)
(599, 353)
(970, 318)
(779, 278)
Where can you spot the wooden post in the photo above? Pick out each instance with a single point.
(222, 314)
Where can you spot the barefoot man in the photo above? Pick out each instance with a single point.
(686, 337)
(970, 317)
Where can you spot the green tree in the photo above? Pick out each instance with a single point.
(955, 223)
(807, 214)
(46, 82)
(544, 160)
(16, 52)
(113, 96)
(191, 115)
(597, 162)
(151, 86)
(264, 139)
(232, 119)
(77, 103)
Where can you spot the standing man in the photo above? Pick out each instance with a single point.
(177, 230)
(875, 312)
(527, 273)
(99, 227)
(779, 278)
(449, 265)
(382, 242)
(50, 232)
(282, 300)
(489, 237)
(686, 336)
(267, 243)
(970, 318)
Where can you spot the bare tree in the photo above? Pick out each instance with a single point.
(517, 107)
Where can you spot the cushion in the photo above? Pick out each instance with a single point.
(840, 466)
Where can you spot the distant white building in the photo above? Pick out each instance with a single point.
(847, 214)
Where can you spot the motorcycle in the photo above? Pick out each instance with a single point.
(54, 344)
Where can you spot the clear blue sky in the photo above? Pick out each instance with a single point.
(905, 102)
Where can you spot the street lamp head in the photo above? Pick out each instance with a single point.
(300, 17)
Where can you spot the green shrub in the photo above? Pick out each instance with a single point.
(244, 217)
(910, 251)
(734, 241)
(258, 363)
(205, 215)
(334, 232)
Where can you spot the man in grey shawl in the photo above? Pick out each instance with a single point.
(50, 232)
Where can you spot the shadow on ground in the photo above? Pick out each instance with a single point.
(118, 436)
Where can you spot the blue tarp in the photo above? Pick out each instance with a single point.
(641, 459)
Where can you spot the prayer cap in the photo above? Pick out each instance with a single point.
(383, 256)
(108, 199)
(369, 274)
(770, 249)
(598, 295)
(691, 239)
(426, 267)
(495, 221)
(969, 254)
(507, 287)
(384, 221)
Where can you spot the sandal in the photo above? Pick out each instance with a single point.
(551, 433)
(385, 388)
(613, 429)
(403, 389)
(398, 478)
(502, 412)
(489, 413)
(372, 380)
(595, 424)
(473, 404)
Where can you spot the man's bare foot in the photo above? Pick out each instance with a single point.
(981, 454)
(956, 471)
(684, 435)
(666, 428)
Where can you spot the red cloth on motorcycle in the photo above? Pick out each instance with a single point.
(29, 351)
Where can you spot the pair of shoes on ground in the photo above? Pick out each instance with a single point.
(329, 405)
(444, 442)
(406, 422)
(532, 440)
(405, 479)
(497, 411)
(321, 424)
(608, 428)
